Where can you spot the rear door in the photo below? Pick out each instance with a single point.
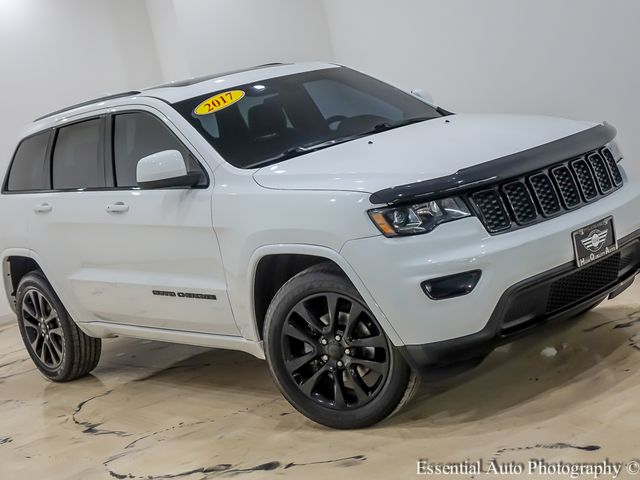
(27, 176)
(123, 254)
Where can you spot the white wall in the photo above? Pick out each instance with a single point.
(572, 58)
(220, 35)
(169, 40)
(59, 52)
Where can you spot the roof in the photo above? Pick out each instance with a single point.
(177, 91)
(181, 90)
(204, 78)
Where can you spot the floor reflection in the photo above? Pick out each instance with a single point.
(155, 410)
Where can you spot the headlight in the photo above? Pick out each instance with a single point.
(614, 148)
(418, 218)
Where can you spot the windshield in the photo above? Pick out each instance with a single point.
(271, 120)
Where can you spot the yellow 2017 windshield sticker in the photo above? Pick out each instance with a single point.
(218, 102)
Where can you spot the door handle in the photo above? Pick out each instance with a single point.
(118, 207)
(42, 208)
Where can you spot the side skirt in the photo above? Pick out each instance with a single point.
(108, 329)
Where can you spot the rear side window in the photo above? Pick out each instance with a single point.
(137, 135)
(28, 169)
(78, 156)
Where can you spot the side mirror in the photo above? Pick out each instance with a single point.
(422, 94)
(163, 170)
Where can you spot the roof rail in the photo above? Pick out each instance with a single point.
(89, 102)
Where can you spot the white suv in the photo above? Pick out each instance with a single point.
(352, 233)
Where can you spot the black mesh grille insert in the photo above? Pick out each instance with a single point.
(545, 193)
(547, 296)
(492, 210)
(627, 257)
(601, 171)
(585, 179)
(583, 283)
(616, 176)
(539, 195)
(566, 186)
(522, 207)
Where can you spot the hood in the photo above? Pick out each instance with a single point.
(415, 153)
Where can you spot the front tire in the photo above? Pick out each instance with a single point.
(328, 354)
(59, 349)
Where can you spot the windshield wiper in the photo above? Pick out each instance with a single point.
(310, 147)
(302, 149)
(383, 127)
(314, 146)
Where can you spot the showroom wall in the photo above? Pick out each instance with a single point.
(56, 53)
(575, 58)
(196, 37)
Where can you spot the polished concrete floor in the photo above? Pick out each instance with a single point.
(152, 410)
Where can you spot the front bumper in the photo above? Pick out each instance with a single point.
(392, 269)
(553, 295)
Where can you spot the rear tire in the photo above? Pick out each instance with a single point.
(328, 354)
(59, 349)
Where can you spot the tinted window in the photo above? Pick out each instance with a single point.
(137, 135)
(322, 107)
(77, 156)
(28, 171)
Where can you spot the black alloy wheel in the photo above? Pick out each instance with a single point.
(329, 355)
(42, 328)
(335, 350)
(58, 348)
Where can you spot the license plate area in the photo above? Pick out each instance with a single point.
(594, 241)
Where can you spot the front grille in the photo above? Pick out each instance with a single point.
(493, 213)
(520, 201)
(600, 170)
(585, 179)
(547, 193)
(583, 283)
(566, 186)
(611, 165)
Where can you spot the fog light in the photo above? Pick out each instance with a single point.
(452, 285)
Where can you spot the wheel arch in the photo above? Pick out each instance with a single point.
(23, 261)
(16, 263)
(294, 259)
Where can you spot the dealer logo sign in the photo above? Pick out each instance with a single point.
(594, 241)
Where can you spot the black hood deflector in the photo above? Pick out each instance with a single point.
(500, 169)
